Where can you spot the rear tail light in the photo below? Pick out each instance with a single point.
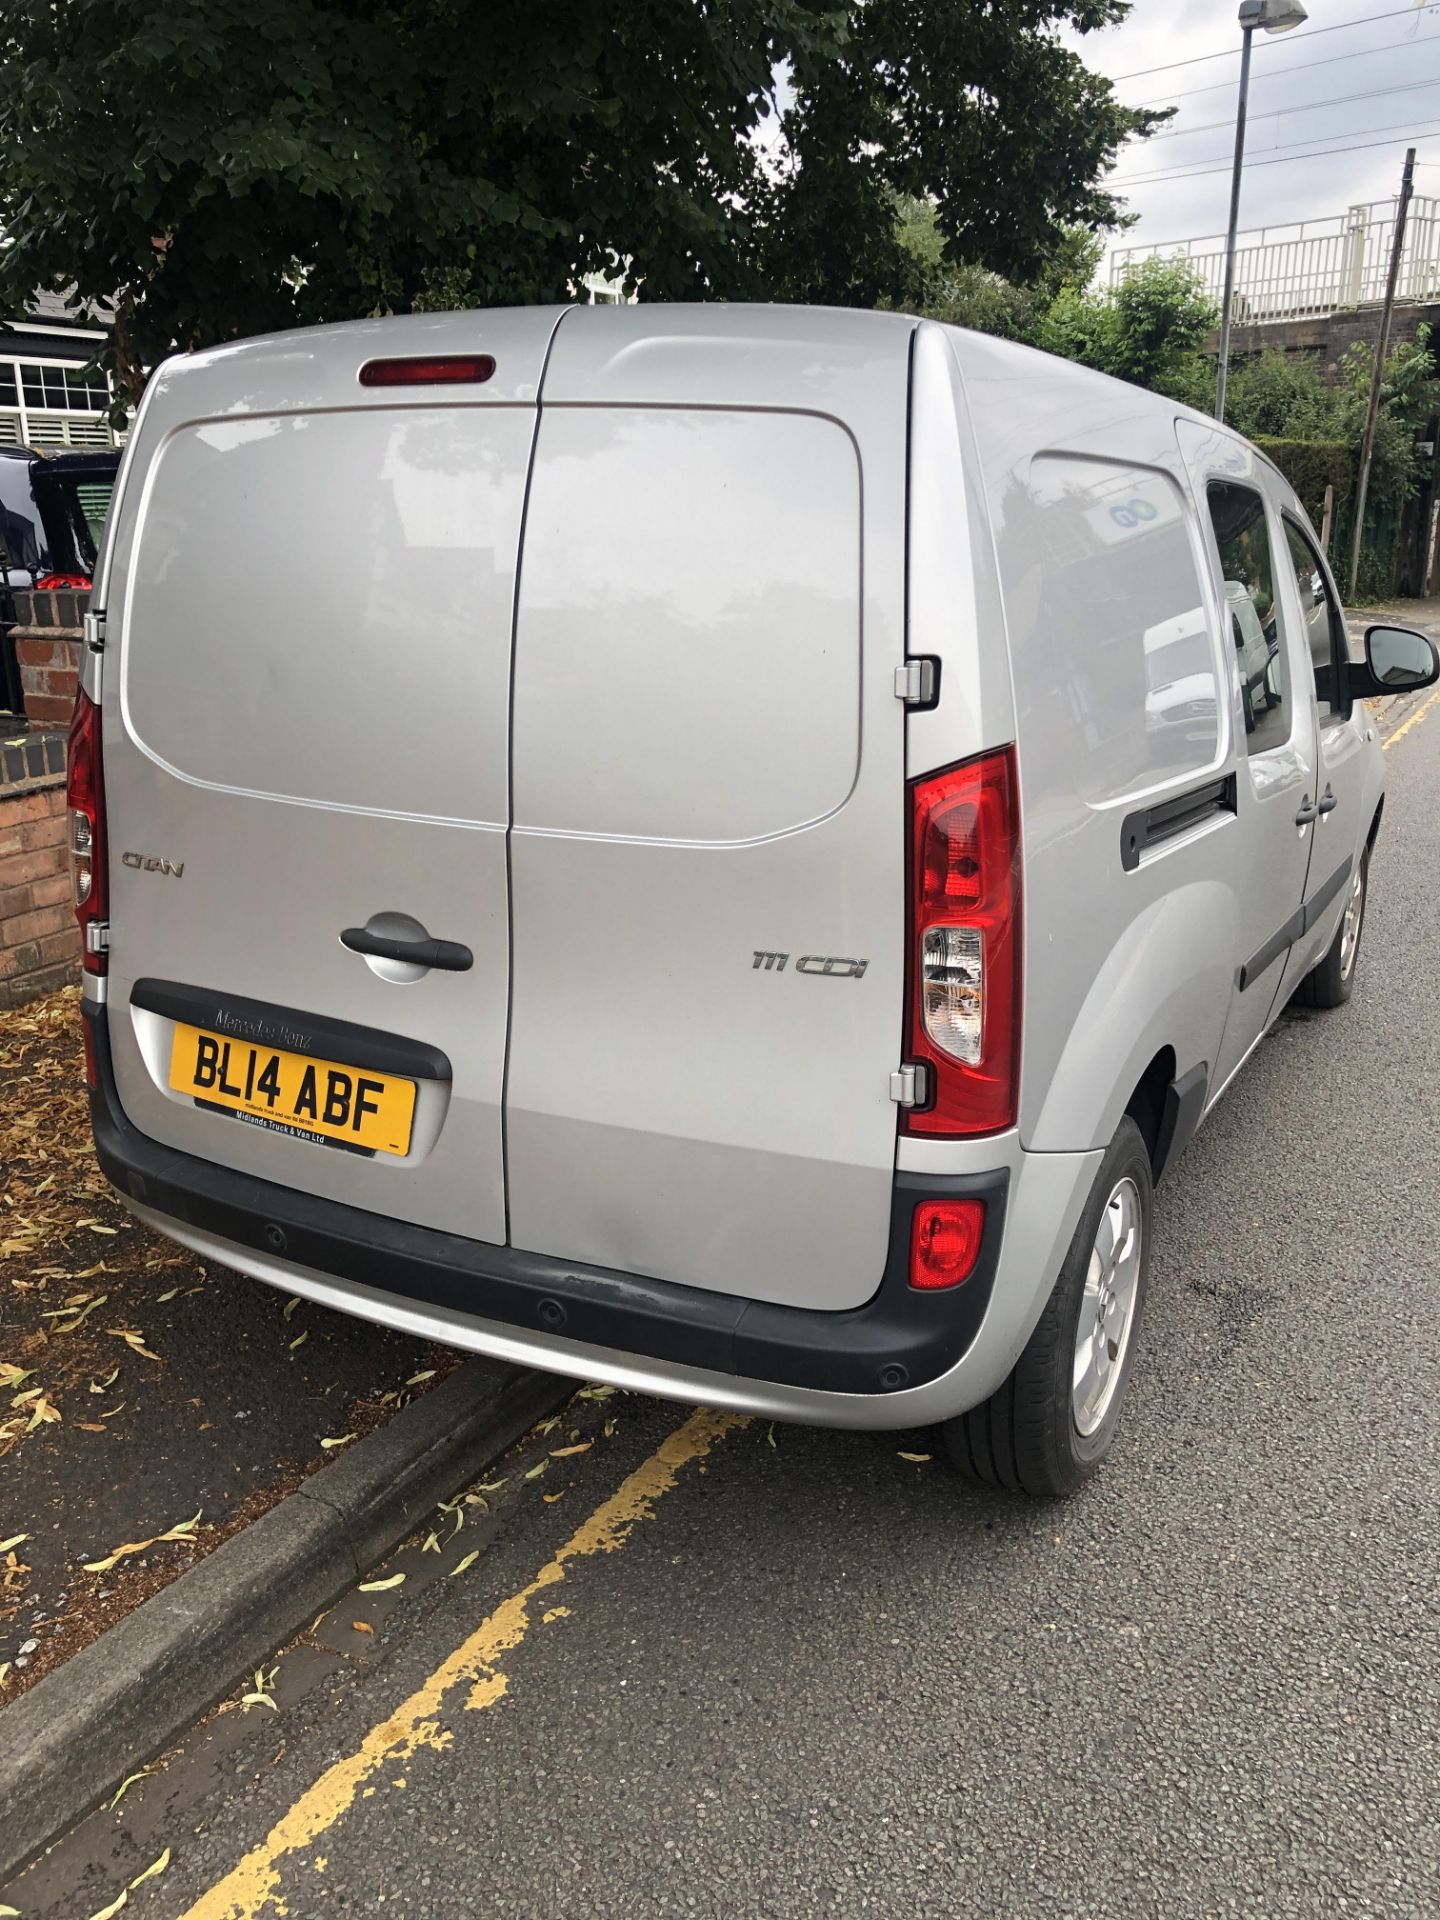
(964, 989)
(428, 370)
(85, 799)
(945, 1238)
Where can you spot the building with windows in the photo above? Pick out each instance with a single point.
(47, 399)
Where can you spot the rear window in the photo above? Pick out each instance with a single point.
(1113, 646)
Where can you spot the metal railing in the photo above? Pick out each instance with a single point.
(1311, 267)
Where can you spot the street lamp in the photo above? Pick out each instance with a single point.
(1271, 16)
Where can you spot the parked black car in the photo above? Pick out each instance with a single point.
(52, 514)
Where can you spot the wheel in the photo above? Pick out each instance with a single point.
(1333, 981)
(1046, 1430)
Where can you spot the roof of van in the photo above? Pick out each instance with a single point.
(626, 329)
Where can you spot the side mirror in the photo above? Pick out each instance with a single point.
(1397, 660)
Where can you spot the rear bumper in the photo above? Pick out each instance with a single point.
(572, 1318)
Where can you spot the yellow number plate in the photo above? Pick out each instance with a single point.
(293, 1092)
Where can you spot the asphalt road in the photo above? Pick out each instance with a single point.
(797, 1673)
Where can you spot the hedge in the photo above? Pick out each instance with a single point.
(1312, 465)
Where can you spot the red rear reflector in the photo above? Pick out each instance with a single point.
(945, 1238)
(428, 370)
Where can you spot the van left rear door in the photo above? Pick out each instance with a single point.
(305, 736)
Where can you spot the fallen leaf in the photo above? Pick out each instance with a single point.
(81, 1315)
(490, 1486)
(114, 1907)
(341, 1441)
(461, 1565)
(551, 1498)
(362, 1626)
(770, 1436)
(918, 1458)
(299, 1339)
(100, 1386)
(564, 1453)
(155, 1866)
(11, 1375)
(248, 1700)
(596, 1393)
(380, 1586)
(181, 1532)
(289, 1307)
(42, 1412)
(611, 1428)
(431, 1543)
(133, 1340)
(535, 1472)
(90, 1426)
(161, 1298)
(13, 1541)
(416, 1378)
(128, 1781)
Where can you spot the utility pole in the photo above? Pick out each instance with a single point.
(1382, 347)
(1224, 361)
(1269, 16)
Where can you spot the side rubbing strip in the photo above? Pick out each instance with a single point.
(1177, 813)
(1300, 922)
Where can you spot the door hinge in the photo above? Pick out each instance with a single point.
(97, 936)
(94, 626)
(910, 1085)
(917, 682)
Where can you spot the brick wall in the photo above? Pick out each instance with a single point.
(47, 638)
(39, 941)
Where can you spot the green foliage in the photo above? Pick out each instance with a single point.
(229, 168)
(1150, 329)
(979, 108)
(1310, 466)
(249, 164)
(1281, 395)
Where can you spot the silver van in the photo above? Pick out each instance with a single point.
(727, 853)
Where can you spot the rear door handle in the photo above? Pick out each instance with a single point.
(1328, 802)
(448, 955)
(1307, 813)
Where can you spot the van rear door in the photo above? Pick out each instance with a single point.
(708, 850)
(305, 735)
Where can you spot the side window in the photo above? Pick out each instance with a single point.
(1247, 567)
(1118, 673)
(1324, 623)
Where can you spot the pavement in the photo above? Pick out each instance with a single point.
(704, 1667)
(178, 1398)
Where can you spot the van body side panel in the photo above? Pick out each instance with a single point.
(956, 614)
(305, 730)
(708, 851)
(1122, 701)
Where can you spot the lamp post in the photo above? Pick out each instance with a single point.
(1271, 16)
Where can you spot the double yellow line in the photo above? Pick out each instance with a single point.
(1413, 720)
(255, 1884)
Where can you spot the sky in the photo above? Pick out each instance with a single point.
(1387, 50)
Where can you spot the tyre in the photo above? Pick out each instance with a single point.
(1046, 1430)
(1333, 981)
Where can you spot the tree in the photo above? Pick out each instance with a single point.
(1150, 328)
(975, 106)
(227, 169)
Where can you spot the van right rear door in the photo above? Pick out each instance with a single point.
(707, 857)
